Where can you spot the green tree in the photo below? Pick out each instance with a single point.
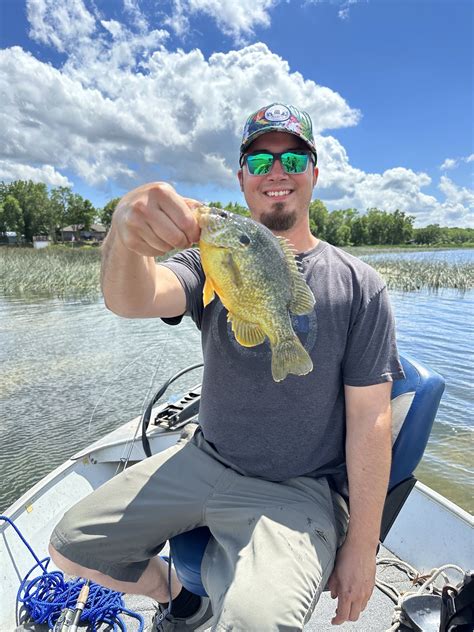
(377, 226)
(338, 232)
(105, 215)
(431, 234)
(59, 200)
(34, 203)
(400, 227)
(13, 217)
(3, 224)
(318, 218)
(360, 231)
(80, 213)
(70, 209)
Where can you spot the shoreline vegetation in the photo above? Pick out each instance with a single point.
(74, 272)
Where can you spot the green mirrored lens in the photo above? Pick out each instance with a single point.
(294, 163)
(259, 164)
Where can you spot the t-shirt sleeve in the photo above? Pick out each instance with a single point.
(371, 355)
(186, 265)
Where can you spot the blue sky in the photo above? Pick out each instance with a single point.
(104, 95)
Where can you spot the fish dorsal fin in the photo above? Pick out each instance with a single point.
(247, 334)
(302, 298)
(208, 292)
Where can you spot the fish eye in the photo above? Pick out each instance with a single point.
(244, 240)
(222, 213)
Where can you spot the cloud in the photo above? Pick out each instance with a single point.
(343, 12)
(132, 8)
(123, 109)
(341, 185)
(344, 6)
(98, 119)
(452, 163)
(58, 23)
(237, 20)
(10, 171)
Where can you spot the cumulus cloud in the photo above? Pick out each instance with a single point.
(341, 185)
(124, 109)
(235, 19)
(161, 120)
(452, 163)
(57, 23)
(46, 173)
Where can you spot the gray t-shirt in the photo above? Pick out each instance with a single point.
(279, 430)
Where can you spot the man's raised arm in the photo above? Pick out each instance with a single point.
(148, 222)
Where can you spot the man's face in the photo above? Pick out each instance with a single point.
(278, 212)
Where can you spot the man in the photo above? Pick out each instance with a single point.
(271, 466)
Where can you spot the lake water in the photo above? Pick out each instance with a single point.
(72, 371)
(449, 256)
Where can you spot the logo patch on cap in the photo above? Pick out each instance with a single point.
(277, 113)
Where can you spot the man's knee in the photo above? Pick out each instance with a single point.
(68, 566)
(254, 612)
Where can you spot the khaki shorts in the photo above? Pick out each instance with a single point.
(273, 545)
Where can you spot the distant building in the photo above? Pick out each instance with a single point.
(95, 233)
(41, 241)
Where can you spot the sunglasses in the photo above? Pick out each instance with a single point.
(260, 163)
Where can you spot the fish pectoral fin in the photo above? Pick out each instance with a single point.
(289, 356)
(247, 334)
(302, 298)
(208, 293)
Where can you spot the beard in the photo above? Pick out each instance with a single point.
(278, 219)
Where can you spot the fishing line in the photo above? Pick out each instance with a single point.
(123, 462)
(137, 357)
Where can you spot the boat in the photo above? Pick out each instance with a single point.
(422, 530)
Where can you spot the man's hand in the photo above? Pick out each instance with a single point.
(153, 219)
(352, 580)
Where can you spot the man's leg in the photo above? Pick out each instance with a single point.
(273, 550)
(152, 583)
(114, 535)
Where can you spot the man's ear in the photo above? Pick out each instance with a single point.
(241, 179)
(315, 176)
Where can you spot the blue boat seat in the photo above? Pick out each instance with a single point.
(415, 401)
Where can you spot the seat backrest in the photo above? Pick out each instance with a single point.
(415, 401)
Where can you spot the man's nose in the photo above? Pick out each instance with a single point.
(277, 170)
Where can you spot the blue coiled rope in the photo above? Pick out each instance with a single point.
(48, 594)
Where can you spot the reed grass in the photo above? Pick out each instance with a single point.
(410, 275)
(66, 272)
(53, 272)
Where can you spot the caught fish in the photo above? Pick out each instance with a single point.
(255, 275)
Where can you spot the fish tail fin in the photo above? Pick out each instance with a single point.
(289, 356)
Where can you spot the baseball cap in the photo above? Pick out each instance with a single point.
(279, 117)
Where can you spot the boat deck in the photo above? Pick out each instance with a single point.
(377, 617)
